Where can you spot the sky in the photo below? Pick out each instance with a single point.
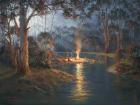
(38, 24)
(55, 19)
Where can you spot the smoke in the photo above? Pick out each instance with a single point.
(78, 44)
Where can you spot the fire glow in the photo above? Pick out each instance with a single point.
(78, 47)
(77, 58)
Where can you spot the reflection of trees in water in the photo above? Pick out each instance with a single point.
(102, 59)
(106, 59)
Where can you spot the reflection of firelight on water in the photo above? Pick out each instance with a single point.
(79, 92)
(80, 78)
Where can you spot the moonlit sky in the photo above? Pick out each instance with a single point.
(37, 24)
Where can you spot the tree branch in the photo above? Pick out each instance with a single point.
(30, 16)
(16, 23)
(17, 27)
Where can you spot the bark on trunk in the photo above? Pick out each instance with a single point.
(23, 61)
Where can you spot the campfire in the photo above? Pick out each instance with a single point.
(78, 47)
(78, 54)
(77, 58)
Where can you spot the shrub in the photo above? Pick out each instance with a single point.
(119, 55)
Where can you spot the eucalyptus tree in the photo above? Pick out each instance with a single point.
(133, 19)
(124, 18)
(105, 28)
(6, 15)
(83, 9)
(20, 8)
(118, 24)
(25, 10)
(75, 9)
(38, 7)
(13, 9)
(3, 19)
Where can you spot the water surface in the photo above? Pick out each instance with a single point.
(94, 85)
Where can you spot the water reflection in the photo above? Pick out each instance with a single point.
(79, 91)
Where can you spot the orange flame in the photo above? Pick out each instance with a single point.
(78, 48)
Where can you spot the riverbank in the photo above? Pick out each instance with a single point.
(128, 70)
(39, 80)
(96, 53)
(125, 71)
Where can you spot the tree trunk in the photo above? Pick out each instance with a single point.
(105, 41)
(119, 40)
(11, 52)
(106, 33)
(11, 46)
(23, 61)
